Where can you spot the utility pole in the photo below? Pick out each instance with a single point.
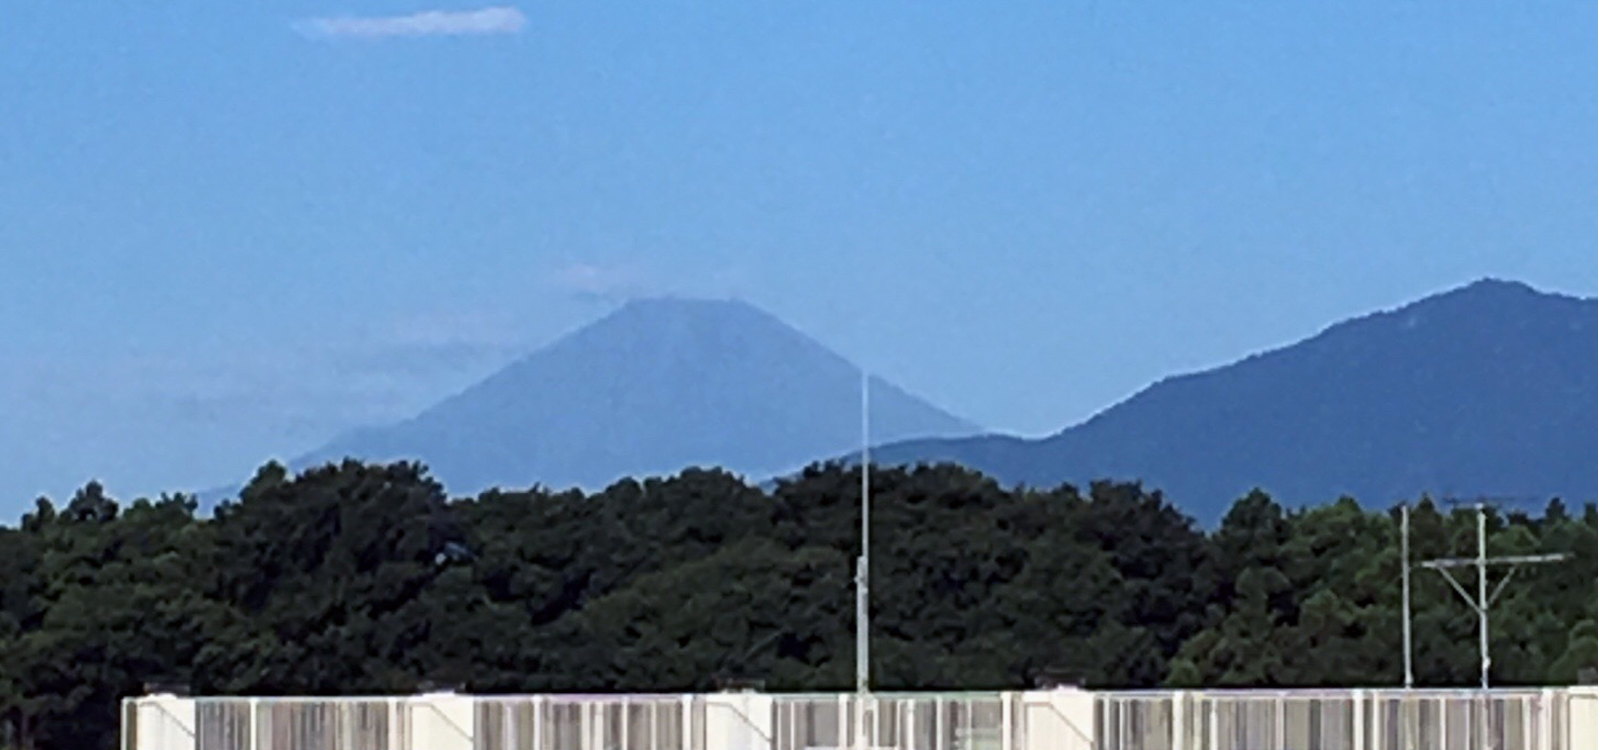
(1405, 589)
(1483, 594)
(863, 585)
(1485, 599)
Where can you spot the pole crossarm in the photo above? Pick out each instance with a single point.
(1444, 566)
(1462, 590)
(1462, 562)
(1481, 603)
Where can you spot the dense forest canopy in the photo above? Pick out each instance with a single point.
(361, 578)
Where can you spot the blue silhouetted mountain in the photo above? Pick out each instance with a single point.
(1488, 390)
(653, 388)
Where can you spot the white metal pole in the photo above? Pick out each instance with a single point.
(1359, 721)
(1178, 722)
(538, 723)
(844, 720)
(687, 719)
(1405, 588)
(1212, 705)
(622, 729)
(255, 724)
(1483, 594)
(863, 584)
(396, 731)
(1007, 718)
(1282, 727)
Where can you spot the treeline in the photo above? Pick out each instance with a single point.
(369, 579)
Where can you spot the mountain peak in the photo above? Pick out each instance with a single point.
(671, 304)
(1492, 296)
(1488, 290)
(663, 315)
(1494, 283)
(656, 386)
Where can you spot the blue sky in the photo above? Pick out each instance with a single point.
(232, 230)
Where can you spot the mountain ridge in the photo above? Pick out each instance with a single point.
(1125, 440)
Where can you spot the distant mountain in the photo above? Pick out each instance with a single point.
(1486, 390)
(655, 387)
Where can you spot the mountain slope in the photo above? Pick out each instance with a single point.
(1487, 390)
(654, 387)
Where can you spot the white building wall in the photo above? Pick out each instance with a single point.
(737, 721)
(165, 722)
(1068, 719)
(439, 721)
(1583, 721)
(1057, 720)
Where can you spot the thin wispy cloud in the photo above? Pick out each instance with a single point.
(481, 22)
(620, 282)
(614, 282)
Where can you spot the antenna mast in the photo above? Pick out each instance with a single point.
(1484, 600)
(1405, 588)
(863, 630)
